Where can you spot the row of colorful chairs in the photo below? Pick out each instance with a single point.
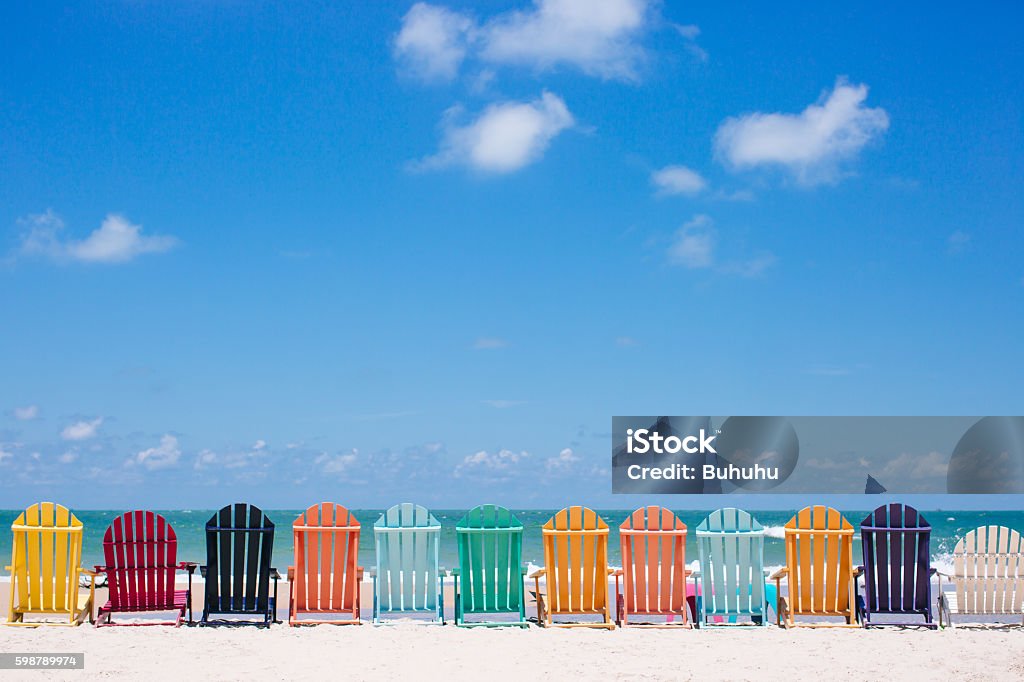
(141, 563)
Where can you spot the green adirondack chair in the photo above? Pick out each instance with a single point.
(490, 542)
(730, 543)
(408, 578)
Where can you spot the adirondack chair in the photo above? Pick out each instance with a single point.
(819, 569)
(730, 544)
(141, 554)
(896, 541)
(575, 569)
(408, 578)
(490, 543)
(988, 575)
(239, 547)
(653, 573)
(326, 578)
(45, 566)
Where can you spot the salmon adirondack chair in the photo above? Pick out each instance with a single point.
(730, 543)
(819, 569)
(326, 577)
(141, 554)
(988, 575)
(575, 569)
(490, 575)
(408, 578)
(653, 572)
(45, 566)
(239, 547)
(896, 541)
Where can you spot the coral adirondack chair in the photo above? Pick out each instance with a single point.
(490, 575)
(819, 569)
(653, 573)
(45, 566)
(408, 578)
(239, 548)
(730, 543)
(141, 554)
(988, 575)
(575, 569)
(326, 577)
(896, 541)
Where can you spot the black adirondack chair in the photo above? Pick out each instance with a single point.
(897, 570)
(239, 546)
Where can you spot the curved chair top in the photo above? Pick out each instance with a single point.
(46, 515)
(989, 540)
(324, 515)
(489, 517)
(139, 524)
(245, 517)
(575, 518)
(818, 518)
(895, 516)
(653, 519)
(407, 515)
(729, 520)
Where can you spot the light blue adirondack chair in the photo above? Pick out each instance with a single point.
(730, 543)
(408, 578)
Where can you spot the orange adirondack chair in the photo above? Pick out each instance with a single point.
(325, 578)
(653, 569)
(575, 569)
(819, 569)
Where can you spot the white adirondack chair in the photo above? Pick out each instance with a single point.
(988, 575)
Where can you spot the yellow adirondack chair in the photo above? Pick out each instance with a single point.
(819, 569)
(575, 569)
(45, 566)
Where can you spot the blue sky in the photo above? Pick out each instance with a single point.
(364, 251)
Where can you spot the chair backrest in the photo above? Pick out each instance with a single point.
(819, 555)
(653, 542)
(408, 539)
(576, 559)
(988, 569)
(730, 543)
(46, 558)
(140, 555)
(896, 542)
(326, 545)
(490, 543)
(239, 546)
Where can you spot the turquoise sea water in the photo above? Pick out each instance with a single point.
(947, 528)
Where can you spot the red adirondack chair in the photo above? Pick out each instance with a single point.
(140, 550)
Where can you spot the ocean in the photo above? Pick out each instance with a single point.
(947, 528)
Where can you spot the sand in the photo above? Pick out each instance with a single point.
(416, 651)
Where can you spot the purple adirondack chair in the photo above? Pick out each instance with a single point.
(896, 541)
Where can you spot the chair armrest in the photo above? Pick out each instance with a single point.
(442, 571)
(291, 573)
(275, 574)
(539, 572)
(202, 570)
(932, 571)
(858, 571)
(696, 574)
(687, 572)
(617, 572)
(780, 574)
(456, 572)
(189, 566)
(373, 572)
(523, 570)
(99, 569)
(611, 571)
(359, 572)
(91, 574)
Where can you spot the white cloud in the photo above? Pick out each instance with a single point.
(205, 459)
(116, 240)
(599, 38)
(504, 138)
(751, 267)
(68, 457)
(812, 144)
(690, 33)
(958, 242)
(5, 454)
(338, 463)
(678, 180)
(562, 461)
(82, 430)
(489, 343)
(433, 40)
(162, 456)
(694, 244)
(26, 413)
(489, 463)
(259, 444)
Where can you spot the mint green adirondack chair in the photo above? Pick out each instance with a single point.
(730, 543)
(490, 552)
(408, 578)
